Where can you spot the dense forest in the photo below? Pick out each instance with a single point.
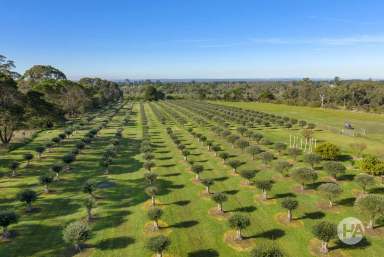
(43, 97)
(363, 95)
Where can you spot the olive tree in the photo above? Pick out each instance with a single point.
(334, 168)
(280, 147)
(242, 144)
(219, 198)
(185, 153)
(325, 231)
(57, 168)
(266, 250)
(7, 218)
(248, 175)
(152, 191)
(224, 156)
(330, 191)
(13, 167)
(197, 169)
(40, 150)
(371, 205)
(364, 181)
(89, 187)
(253, 150)
(264, 186)
(149, 165)
(234, 164)
(154, 214)
(158, 244)
(76, 233)
(28, 157)
(282, 166)
(239, 222)
(89, 204)
(290, 204)
(45, 180)
(27, 196)
(207, 182)
(312, 159)
(150, 177)
(294, 152)
(304, 176)
(68, 159)
(266, 157)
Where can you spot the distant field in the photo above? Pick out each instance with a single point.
(329, 121)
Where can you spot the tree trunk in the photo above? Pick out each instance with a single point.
(153, 201)
(89, 212)
(106, 171)
(13, 173)
(77, 247)
(5, 233)
(156, 225)
(302, 188)
(207, 189)
(238, 235)
(57, 176)
(264, 195)
(371, 223)
(330, 204)
(46, 190)
(220, 207)
(324, 247)
(197, 177)
(29, 207)
(289, 215)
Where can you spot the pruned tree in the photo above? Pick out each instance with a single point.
(364, 181)
(290, 204)
(219, 198)
(28, 157)
(154, 214)
(197, 169)
(76, 233)
(7, 218)
(371, 205)
(312, 159)
(150, 177)
(253, 150)
(89, 204)
(158, 244)
(304, 176)
(248, 175)
(324, 231)
(266, 157)
(224, 156)
(207, 182)
(334, 169)
(27, 196)
(267, 250)
(239, 222)
(330, 191)
(149, 165)
(294, 152)
(45, 180)
(264, 186)
(152, 191)
(13, 165)
(282, 166)
(57, 168)
(234, 164)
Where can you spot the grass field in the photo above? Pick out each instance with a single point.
(329, 121)
(120, 217)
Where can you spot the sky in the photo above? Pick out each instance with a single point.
(186, 39)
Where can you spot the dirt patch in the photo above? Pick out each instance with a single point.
(247, 184)
(314, 250)
(148, 204)
(377, 232)
(240, 245)
(269, 201)
(205, 194)
(297, 189)
(150, 231)
(195, 181)
(282, 218)
(214, 212)
(324, 205)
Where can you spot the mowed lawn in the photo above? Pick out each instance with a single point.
(121, 215)
(329, 121)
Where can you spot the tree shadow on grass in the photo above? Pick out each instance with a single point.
(115, 243)
(204, 253)
(346, 177)
(316, 215)
(347, 201)
(230, 192)
(172, 174)
(377, 190)
(269, 234)
(364, 243)
(283, 195)
(185, 224)
(220, 179)
(247, 209)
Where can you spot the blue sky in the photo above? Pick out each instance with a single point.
(197, 38)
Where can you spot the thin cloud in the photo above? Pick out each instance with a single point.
(344, 20)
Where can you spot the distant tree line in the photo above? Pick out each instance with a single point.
(43, 96)
(364, 95)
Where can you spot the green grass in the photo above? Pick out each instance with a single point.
(329, 121)
(118, 229)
